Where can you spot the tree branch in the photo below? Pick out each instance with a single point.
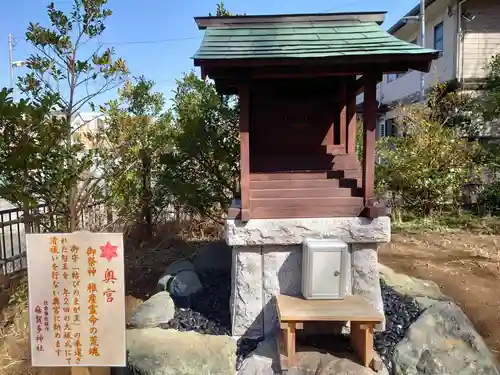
(105, 88)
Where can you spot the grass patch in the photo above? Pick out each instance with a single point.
(448, 222)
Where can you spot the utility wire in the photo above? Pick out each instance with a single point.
(169, 40)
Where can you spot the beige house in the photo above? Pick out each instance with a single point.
(87, 124)
(467, 43)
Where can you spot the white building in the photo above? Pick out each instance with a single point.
(466, 43)
(85, 123)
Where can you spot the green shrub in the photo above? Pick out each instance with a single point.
(489, 198)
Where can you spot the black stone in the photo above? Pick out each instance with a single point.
(207, 311)
(400, 312)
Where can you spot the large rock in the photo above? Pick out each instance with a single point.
(424, 292)
(172, 270)
(443, 342)
(155, 351)
(214, 256)
(265, 361)
(131, 304)
(179, 266)
(184, 284)
(312, 362)
(156, 310)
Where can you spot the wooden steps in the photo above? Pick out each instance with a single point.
(312, 175)
(279, 176)
(306, 202)
(306, 184)
(306, 193)
(347, 173)
(301, 212)
(331, 192)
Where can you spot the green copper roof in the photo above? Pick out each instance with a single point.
(301, 40)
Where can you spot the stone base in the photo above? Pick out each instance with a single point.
(265, 360)
(267, 261)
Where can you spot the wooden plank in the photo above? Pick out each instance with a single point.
(295, 184)
(244, 120)
(346, 165)
(311, 175)
(301, 193)
(290, 336)
(298, 325)
(335, 149)
(347, 173)
(306, 202)
(362, 340)
(306, 184)
(351, 308)
(305, 212)
(280, 338)
(369, 128)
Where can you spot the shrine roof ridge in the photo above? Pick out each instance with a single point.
(307, 39)
(248, 20)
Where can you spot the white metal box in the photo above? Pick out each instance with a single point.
(324, 268)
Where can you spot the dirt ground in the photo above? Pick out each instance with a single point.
(465, 265)
(144, 264)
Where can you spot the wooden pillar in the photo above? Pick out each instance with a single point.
(369, 131)
(343, 113)
(244, 120)
(351, 118)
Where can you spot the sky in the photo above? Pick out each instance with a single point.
(158, 37)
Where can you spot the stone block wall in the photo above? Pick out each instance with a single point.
(267, 261)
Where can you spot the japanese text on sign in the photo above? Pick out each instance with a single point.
(76, 290)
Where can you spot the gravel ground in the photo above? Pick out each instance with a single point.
(208, 313)
(400, 313)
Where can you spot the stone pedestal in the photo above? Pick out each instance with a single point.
(267, 260)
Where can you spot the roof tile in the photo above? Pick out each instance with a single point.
(301, 40)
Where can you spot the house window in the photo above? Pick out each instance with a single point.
(389, 127)
(439, 37)
(381, 129)
(385, 128)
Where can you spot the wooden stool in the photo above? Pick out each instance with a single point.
(294, 311)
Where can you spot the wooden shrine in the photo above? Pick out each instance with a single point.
(297, 78)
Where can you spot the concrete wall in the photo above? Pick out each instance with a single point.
(442, 69)
(480, 41)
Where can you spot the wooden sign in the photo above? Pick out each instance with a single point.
(76, 299)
